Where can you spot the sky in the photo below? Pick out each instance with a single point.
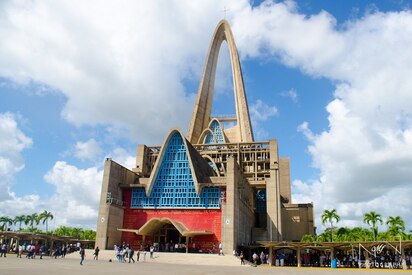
(81, 81)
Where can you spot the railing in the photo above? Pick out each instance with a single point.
(112, 200)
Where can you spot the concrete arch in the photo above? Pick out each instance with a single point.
(159, 160)
(207, 157)
(203, 105)
(203, 136)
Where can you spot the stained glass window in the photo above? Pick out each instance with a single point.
(174, 186)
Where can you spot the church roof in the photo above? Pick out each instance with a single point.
(199, 167)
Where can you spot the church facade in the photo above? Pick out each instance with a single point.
(215, 185)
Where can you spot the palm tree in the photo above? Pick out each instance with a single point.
(329, 216)
(5, 222)
(45, 216)
(343, 234)
(89, 234)
(396, 225)
(308, 238)
(31, 219)
(19, 220)
(372, 218)
(76, 232)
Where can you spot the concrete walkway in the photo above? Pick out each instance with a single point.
(163, 263)
(168, 258)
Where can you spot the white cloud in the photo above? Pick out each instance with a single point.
(365, 155)
(116, 62)
(77, 195)
(123, 157)
(88, 150)
(115, 70)
(13, 205)
(13, 141)
(260, 111)
(292, 94)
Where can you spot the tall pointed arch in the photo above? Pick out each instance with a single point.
(203, 106)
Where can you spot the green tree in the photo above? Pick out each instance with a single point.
(89, 234)
(371, 219)
(76, 232)
(329, 216)
(5, 222)
(322, 237)
(360, 234)
(308, 238)
(396, 225)
(343, 234)
(62, 231)
(45, 216)
(19, 220)
(32, 219)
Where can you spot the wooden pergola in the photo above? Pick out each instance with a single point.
(16, 237)
(332, 246)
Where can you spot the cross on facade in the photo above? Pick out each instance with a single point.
(225, 10)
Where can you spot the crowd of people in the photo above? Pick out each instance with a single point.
(31, 250)
(125, 253)
(386, 259)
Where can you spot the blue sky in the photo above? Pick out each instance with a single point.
(329, 79)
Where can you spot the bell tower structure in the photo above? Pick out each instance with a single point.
(242, 131)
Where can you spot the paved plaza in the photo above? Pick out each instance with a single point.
(163, 263)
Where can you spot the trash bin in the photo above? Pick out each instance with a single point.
(333, 263)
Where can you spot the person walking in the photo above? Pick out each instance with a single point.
(130, 253)
(242, 258)
(3, 250)
(151, 252)
(82, 255)
(96, 253)
(42, 251)
(220, 249)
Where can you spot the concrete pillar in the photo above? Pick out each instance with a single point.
(273, 205)
(111, 214)
(51, 247)
(144, 242)
(270, 256)
(187, 244)
(229, 229)
(298, 256)
(367, 261)
(404, 267)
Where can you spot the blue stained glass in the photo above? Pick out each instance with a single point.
(260, 201)
(174, 186)
(209, 139)
(217, 132)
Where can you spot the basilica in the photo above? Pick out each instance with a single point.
(213, 186)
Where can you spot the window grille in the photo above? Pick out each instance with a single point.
(217, 132)
(174, 186)
(260, 201)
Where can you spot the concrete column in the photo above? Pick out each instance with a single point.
(298, 256)
(270, 256)
(273, 205)
(229, 230)
(110, 212)
(144, 242)
(367, 261)
(404, 267)
(187, 244)
(10, 246)
(51, 248)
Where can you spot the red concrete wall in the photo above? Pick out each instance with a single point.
(193, 219)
